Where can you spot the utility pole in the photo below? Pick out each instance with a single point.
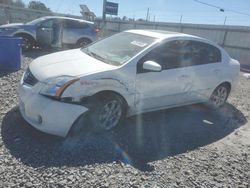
(147, 14)
(104, 10)
(181, 19)
(225, 20)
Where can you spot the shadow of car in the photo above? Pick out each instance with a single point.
(141, 139)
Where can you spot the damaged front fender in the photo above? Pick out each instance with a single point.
(86, 88)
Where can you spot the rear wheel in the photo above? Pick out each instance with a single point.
(82, 42)
(219, 96)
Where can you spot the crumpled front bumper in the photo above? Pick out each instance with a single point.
(48, 115)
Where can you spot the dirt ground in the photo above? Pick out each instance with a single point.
(191, 146)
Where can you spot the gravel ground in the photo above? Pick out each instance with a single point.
(192, 146)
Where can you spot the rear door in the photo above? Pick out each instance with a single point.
(73, 30)
(207, 67)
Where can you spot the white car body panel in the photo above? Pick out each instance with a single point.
(70, 62)
(143, 92)
(34, 106)
(156, 89)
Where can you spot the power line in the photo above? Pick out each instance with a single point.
(237, 12)
(222, 9)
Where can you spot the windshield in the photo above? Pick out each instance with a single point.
(36, 21)
(119, 48)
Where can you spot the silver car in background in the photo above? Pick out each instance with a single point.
(52, 31)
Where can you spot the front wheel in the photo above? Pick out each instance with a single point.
(219, 96)
(27, 42)
(107, 112)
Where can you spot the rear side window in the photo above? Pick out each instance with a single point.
(72, 24)
(203, 53)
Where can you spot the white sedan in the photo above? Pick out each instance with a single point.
(132, 72)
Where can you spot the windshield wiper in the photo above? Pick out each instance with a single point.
(101, 58)
(92, 54)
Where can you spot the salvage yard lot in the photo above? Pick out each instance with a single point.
(187, 146)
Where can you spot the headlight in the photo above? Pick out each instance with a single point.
(56, 86)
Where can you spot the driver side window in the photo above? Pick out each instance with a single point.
(169, 55)
(46, 24)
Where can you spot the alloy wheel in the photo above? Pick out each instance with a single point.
(219, 96)
(110, 115)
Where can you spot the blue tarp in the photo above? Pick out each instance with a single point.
(10, 53)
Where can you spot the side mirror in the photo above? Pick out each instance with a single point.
(152, 66)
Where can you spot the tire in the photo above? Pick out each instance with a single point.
(89, 121)
(27, 42)
(219, 96)
(81, 126)
(82, 42)
(107, 112)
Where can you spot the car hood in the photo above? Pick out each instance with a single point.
(12, 25)
(66, 63)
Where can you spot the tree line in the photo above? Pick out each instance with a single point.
(37, 5)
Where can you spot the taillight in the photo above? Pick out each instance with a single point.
(97, 30)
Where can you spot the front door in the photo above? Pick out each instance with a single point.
(170, 87)
(45, 32)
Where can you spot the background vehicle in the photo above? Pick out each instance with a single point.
(52, 31)
(128, 73)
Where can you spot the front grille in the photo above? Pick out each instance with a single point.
(29, 78)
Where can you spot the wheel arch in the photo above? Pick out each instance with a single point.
(227, 84)
(25, 34)
(110, 92)
(84, 38)
(87, 101)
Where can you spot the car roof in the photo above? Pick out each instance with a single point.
(67, 18)
(161, 34)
